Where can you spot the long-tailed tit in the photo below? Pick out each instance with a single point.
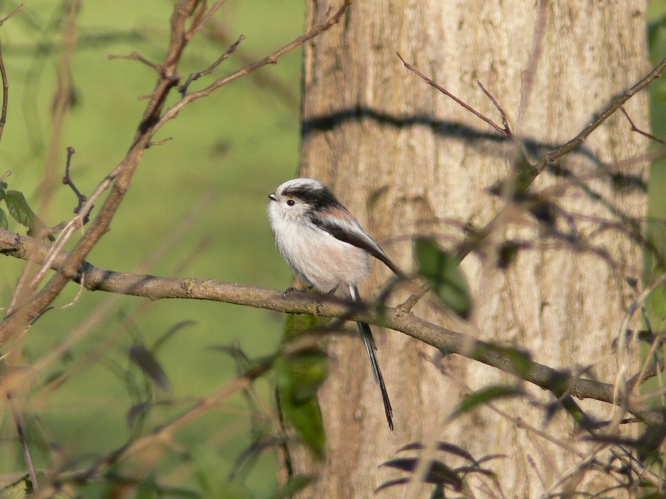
(326, 247)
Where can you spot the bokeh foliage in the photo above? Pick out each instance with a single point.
(228, 152)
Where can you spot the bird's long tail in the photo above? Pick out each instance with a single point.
(371, 347)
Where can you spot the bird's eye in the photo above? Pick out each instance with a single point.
(291, 202)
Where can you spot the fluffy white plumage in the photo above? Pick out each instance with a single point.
(314, 254)
(326, 247)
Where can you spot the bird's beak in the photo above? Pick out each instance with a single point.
(272, 197)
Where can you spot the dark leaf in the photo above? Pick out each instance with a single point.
(4, 222)
(136, 411)
(443, 446)
(468, 470)
(170, 332)
(236, 353)
(391, 483)
(507, 254)
(490, 458)
(552, 408)
(486, 395)
(293, 486)
(437, 472)
(438, 492)
(650, 441)
(148, 364)
(256, 448)
(444, 276)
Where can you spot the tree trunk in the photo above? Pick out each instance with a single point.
(407, 160)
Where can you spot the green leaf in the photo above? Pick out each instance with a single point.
(147, 362)
(147, 489)
(297, 323)
(293, 486)
(486, 395)
(20, 210)
(4, 223)
(298, 377)
(443, 274)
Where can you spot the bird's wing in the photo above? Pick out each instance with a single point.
(351, 233)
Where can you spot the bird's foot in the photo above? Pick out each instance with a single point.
(292, 289)
(320, 303)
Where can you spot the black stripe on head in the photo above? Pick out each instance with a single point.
(318, 197)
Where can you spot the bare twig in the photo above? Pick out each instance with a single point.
(67, 180)
(195, 76)
(505, 122)
(3, 73)
(5, 93)
(7, 174)
(432, 83)
(158, 142)
(202, 19)
(264, 79)
(619, 101)
(23, 441)
(533, 62)
(135, 56)
(326, 23)
(634, 128)
(12, 14)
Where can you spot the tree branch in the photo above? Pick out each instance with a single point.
(325, 24)
(506, 359)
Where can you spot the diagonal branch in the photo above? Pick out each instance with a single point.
(325, 24)
(448, 341)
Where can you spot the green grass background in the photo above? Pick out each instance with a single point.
(237, 144)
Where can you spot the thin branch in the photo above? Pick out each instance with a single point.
(505, 122)
(67, 180)
(5, 93)
(3, 73)
(202, 19)
(326, 23)
(135, 56)
(195, 76)
(634, 128)
(264, 79)
(432, 83)
(12, 14)
(444, 339)
(158, 142)
(23, 441)
(533, 62)
(7, 174)
(605, 114)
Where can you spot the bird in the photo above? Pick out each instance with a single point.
(326, 248)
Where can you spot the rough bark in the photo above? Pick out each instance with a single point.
(406, 160)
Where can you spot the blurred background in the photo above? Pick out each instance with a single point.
(197, 208)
